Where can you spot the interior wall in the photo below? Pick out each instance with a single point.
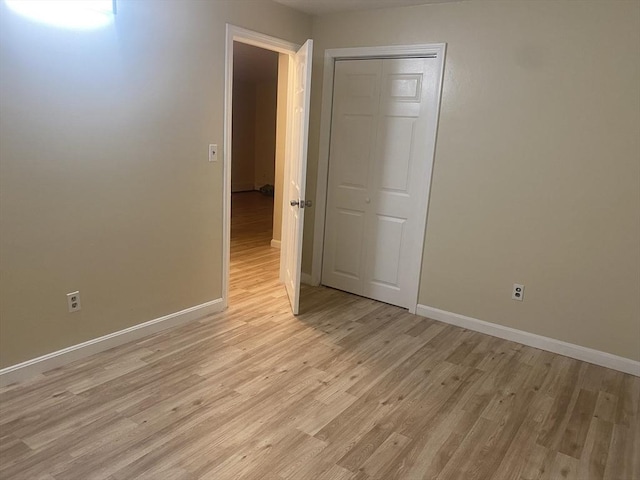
(243, 151)
(280, 147)
(537, 174)
(104, 179)
(254, 118)
(265, 137)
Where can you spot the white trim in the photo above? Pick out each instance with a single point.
(435, 49)
(305, 278)
(250, 37)
(275, 243)
(24, 370)
(578, 352)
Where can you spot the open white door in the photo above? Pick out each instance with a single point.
(295, 176)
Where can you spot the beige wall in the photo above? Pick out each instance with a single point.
(104, 180)
(254, 135)
(265, 137)
(537, 169)
(281, 130)
(105, 186)
(243, 153)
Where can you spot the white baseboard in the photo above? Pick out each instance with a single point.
(24, 370)
(585, 354)
(305, 278)
(275, 243)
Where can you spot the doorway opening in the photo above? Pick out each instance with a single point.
(259, 99)
(295, 115)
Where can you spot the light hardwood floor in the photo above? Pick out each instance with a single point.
(350, 389)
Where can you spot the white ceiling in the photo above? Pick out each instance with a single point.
(323, 7)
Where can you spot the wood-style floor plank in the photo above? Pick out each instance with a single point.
(351, 389)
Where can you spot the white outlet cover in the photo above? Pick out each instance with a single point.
(73, 301)
(518, 292)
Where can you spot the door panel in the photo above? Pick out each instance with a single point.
(388, 235)
(354, 118)
(295, 178)
(352, 164)
(396, 154)
(349, 226)
(378, 172)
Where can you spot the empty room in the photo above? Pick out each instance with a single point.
(320, 239)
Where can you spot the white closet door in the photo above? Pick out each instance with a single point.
(356, 95)
(379, 175)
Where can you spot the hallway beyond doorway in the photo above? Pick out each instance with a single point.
(255, 265)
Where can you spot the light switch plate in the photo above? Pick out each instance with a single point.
(213, 152)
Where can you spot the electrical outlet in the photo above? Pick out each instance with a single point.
(73, 301)
(213, 152)
(518, 292)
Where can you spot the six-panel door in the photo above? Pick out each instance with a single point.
(378, 173)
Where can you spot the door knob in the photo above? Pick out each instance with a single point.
(301, 203)
(367, 200)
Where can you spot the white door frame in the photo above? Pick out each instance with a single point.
(250, 37)
(436, 50)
